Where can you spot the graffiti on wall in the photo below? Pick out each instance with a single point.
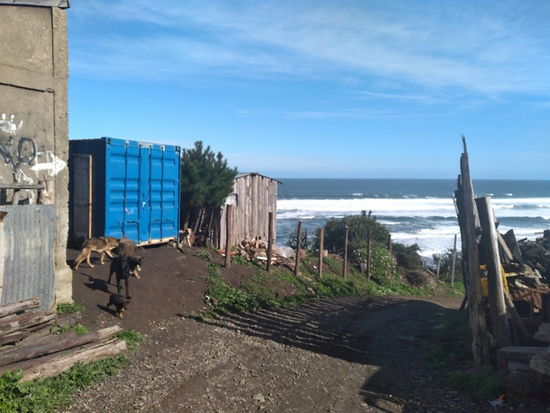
(28, 165)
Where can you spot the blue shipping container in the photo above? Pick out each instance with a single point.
(121, 187)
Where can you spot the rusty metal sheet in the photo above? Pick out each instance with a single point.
(28, 254)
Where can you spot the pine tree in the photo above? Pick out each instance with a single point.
(206, 182)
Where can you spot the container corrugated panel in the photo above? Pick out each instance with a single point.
(28, 232)
(140, 189)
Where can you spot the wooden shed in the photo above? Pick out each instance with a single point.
(254, 197)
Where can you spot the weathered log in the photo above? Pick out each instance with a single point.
(515, 318)
(490, 244)
(511, 242)
(469, 221)
(33, 363)
(51, 338)
(505, 253)
(13, 337)
(58, 366)
(54, 345)
(69, 319)
(19, 306)
(11, 324)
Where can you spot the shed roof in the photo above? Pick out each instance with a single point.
(243, 174)
(64, 4)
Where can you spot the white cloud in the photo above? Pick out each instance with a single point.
(477, 50)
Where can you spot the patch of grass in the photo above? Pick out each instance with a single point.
(435, 355)
(259, 291)
(79, 329)
(69, 308)
(48, 395)
(483, 385)
(133, 339)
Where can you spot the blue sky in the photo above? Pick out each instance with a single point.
(341, 89)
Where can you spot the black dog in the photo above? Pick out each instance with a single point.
(120, 304)
(124, 266)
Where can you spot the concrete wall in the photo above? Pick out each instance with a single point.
(33, 119)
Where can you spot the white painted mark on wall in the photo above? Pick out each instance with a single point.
(9, 126)
(49, 163)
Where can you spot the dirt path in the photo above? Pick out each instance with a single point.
(338, 355)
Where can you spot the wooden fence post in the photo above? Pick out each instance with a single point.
(389, 245)
(467, 218)
(489, 242)
(298, 249)
(344, 271)
(270, 241)
(369, 257)
(321, 251)
(228, 236)
(454, 265)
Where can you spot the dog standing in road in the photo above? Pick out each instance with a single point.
(124, 266)
(103, 245)
(120, 304)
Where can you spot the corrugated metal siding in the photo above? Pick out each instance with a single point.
(28, 254)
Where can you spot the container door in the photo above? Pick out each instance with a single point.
(82, 197)
(156, 179)
(144, 193)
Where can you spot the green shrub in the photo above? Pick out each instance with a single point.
(359, 227)
(292, 242)
(483, 385)
(133, 339)
(48, 395)
(69, 308)
(79, 329)
(407, 256)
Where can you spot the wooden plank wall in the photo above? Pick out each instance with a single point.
(256, 197)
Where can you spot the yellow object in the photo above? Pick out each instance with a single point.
(485, 282)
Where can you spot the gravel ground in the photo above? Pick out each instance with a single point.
(336, 355)
(339, 355)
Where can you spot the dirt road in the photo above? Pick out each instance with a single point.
(338, 355)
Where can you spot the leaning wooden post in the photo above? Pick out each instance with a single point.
(321, 252)
(369, 257)
(228, 212)
(491, 254)
(389, 244)
(454, 265)
(467, 217)
(270, 241)
(344, 270)
(298, 249)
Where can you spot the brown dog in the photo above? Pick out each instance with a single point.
(103, 245)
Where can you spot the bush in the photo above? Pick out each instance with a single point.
(69, 308)
(293, 240)
(359, 227)
(447, 263)
(407, 257)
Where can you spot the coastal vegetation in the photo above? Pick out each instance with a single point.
(206, 181)
(48, 395)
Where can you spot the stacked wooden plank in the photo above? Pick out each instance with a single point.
(25, 342)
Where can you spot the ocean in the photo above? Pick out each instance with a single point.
(417, 211)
